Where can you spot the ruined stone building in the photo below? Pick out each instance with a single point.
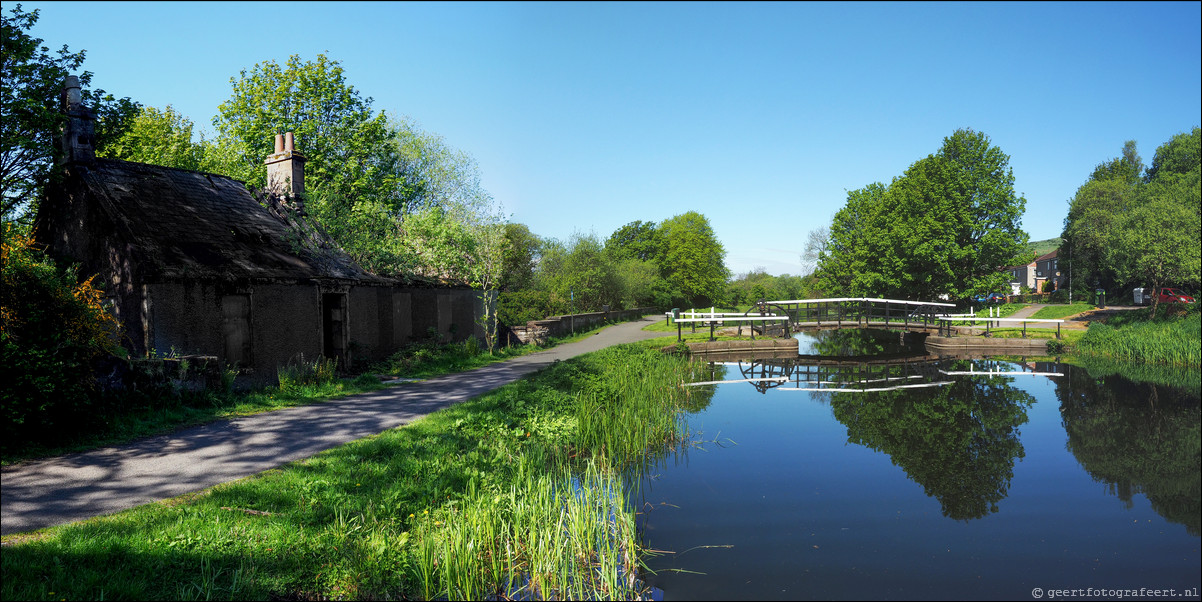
(197, 263)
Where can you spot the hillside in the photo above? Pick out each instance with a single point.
(1042, 247)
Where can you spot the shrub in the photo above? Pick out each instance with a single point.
(519, 307)
(53, 329)
(298, 372)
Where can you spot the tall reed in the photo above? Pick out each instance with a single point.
(1173, 342)
(563, 528)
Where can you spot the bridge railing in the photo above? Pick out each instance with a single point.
(863, 310)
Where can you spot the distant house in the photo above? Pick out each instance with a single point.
(197, 263)
(1033, 275)
(1020, 276)
(1047, 269)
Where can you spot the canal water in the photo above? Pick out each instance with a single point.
(917, 481)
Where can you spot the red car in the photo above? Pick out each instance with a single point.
(1172, 295)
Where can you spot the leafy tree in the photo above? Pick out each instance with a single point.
(638, 239)
(1095, 220)
(31, 81)
(1128, 168)
(1161, 239)
(520, 254)
(692, 259)
(1182, 154)
(853, 259)
(944, 227)
(429, 172)
(579, 275)
(1125, 230)
(639, 284)
(159, 138)
(345, 144)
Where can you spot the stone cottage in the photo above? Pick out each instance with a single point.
(197, 263)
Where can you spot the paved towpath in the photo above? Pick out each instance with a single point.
(1079, 321)
(70, 488)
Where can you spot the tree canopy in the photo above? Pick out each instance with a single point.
(345, 144)
(944, 227)
(692, 259)
(159, 138)
(1128, 227)
(31, 81)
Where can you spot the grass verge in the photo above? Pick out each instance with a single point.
(514, 494)
(1056, 312)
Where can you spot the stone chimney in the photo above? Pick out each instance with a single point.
(286, 168)
(79, 133)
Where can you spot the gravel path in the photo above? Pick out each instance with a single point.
(54, 491)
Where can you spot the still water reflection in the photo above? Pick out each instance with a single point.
(916, 480)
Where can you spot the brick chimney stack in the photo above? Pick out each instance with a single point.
(79, 133)
(286, 168)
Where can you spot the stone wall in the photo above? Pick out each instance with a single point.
(264, 326)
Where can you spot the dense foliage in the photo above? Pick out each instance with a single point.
(52, 328)
(757, 284)
(944, 227)
(678, 262)
(1128, 226)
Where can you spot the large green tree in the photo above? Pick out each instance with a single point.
(346, 144)
(638, 240)
(520, 254)
(159, 138)
(1127, 227)
(944, 227)
(692, 259)
(853, 260)
(31, 117)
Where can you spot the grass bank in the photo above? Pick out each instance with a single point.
(515, 494)
(1056, 312)
(1171, 338)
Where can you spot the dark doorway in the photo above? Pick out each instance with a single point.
(333, 327)
(235, 329)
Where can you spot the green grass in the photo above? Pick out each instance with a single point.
(1134, 336)
(1067, 336)
(1056, 312)
(516, 493)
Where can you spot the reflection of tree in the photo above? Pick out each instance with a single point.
(1137, 437)
(853, 342)
(697, 399)
(959, 442)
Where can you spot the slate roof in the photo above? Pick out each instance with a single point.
(189, 225)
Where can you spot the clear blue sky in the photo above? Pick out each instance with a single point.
(584, 117)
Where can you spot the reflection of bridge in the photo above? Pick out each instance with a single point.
(861, 374)
(780, 318)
